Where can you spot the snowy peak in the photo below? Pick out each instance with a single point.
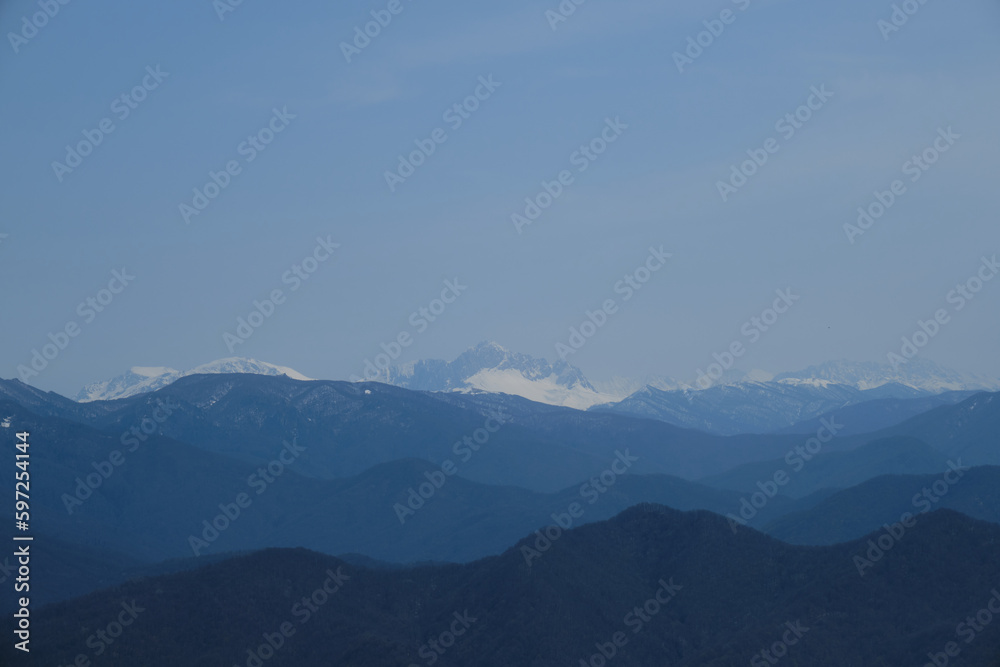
(491, 367)
(136, 380)
(142, 379)
(919, 374)
(241, 365)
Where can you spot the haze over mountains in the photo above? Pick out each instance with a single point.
(156, 491)
(754, 402)
(714, 254)
(364, 448)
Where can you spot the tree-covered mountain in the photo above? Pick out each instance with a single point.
(652, 586)
(847, 514)
(808, 470)
(750, 407)
(970, 429)
(118, 509)
(350, 427)
(881, 413)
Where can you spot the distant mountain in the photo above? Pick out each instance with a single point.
(748, 407)
(492, 368)
(141, 379)
(147, 508)
(970, 429)
(489, 367)
(880, 413)
(115, 501)
(36, 400)
(851, 513)
(652, 586)
(625, 386)
(350, 427)
(900, 455)
(919, 373)
(756, 402)
(966, 432)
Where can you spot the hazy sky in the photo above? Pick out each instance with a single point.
(550, 92)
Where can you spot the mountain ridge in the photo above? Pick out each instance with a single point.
(711, 597)
(143, 379)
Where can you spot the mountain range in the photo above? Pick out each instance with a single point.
(153, 497)
(362, 450)
(651, 586)
(755, 402)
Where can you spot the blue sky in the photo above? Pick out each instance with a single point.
(655, 185)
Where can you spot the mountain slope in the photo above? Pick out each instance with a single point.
(723, 598)
(791, 402)
(748, 407)
(148, 507)
(142, 379)
(835, 469)
(970, 429)
(878, 414)
(865, 508)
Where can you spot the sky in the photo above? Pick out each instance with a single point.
(612, 100)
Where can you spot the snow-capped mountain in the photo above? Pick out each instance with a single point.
(752, 407)
(141, 379)
(492, 368)
(920, 374)
(489, 367)
(756, 402)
